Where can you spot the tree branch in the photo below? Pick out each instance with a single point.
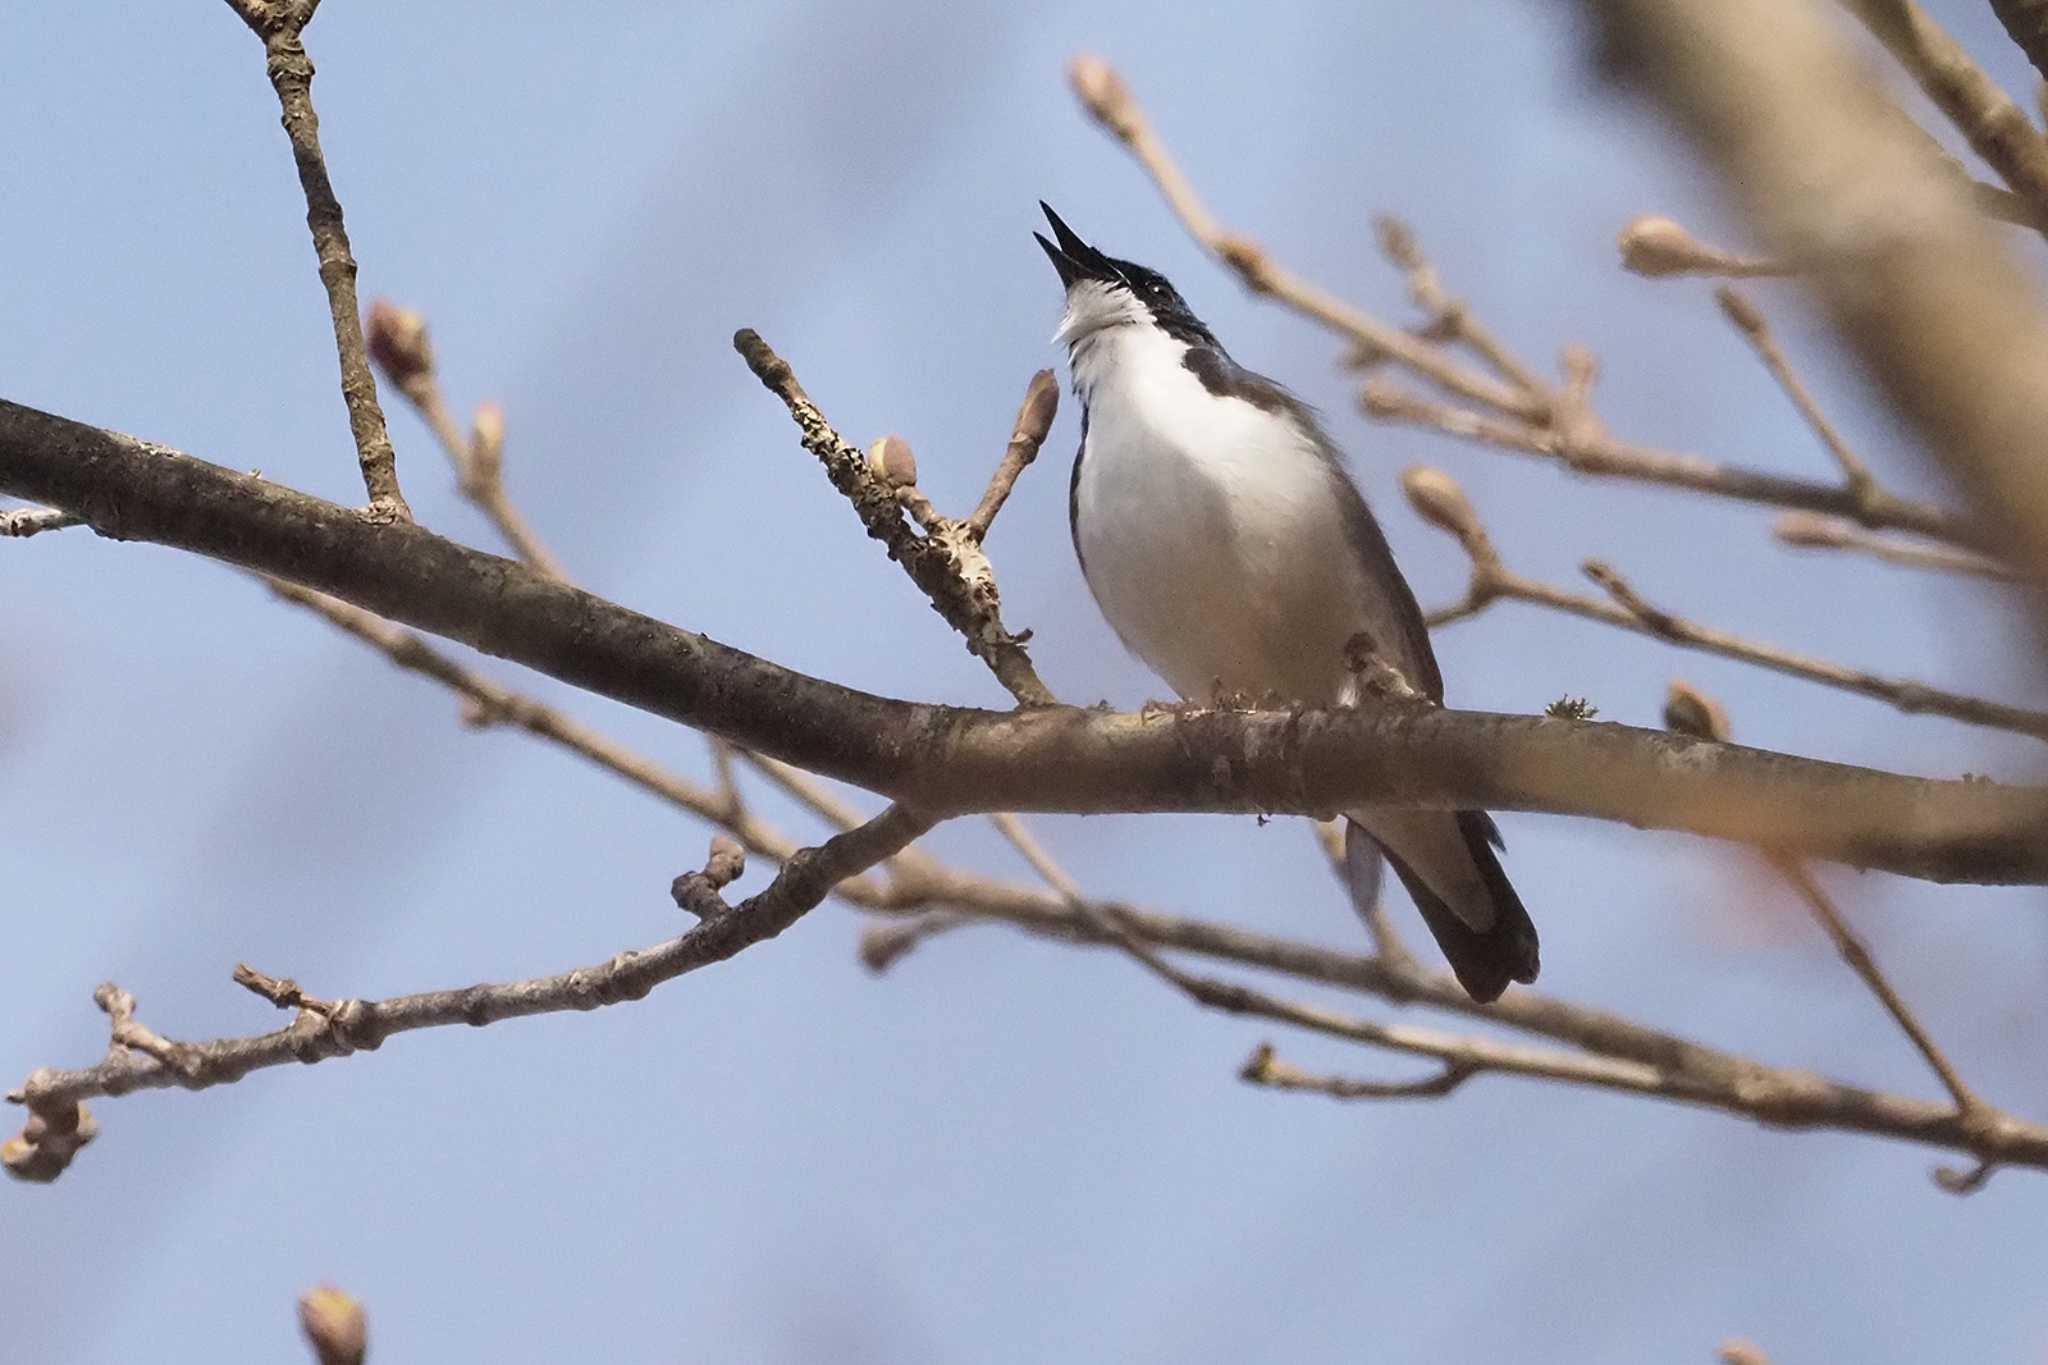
(949, 760)
(280, 25)
(327, 1029)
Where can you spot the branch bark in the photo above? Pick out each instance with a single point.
(956, 760)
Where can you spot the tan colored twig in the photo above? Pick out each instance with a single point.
(1690, 711)
(1808, 531)
(335, 1326)
(1749, 320)
(280, 25)
(1027, 434)
(1996, 128)
(1387, 943)
(400, 346)
(1437, 497)
(1263, 1068)
(1449, 318)
(323, 1030)
(1105, 96)
(22, 522)
(1605, 457)
(947, 563)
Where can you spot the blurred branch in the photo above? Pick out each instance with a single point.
(1749, 320)
(279, 24)
(399, 344)
(1836, 177)
(1996, 128)
(1831, 533)
(950, 761)
(1440, 501)
(326, 1029)
(1659, 248)
(1692, 712)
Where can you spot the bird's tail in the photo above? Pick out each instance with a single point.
(1485, 961)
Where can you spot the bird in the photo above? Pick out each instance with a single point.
(1229, 549)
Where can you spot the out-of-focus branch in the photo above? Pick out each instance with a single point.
(1995, 127)
(401, 348)
(335, 1326)
(326, 1029)
(947, 562)
(1836, 178)
(1749, 320)
(1604, 456)
(1105, 96)
(1440, 501)
(1692, 712)
(1832, 533)
(280, 25)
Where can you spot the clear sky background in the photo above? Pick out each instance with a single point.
(1003, 1150)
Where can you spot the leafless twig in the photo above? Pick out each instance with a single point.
(1437, 497)
(1832, 533)
(22, 522)
(399, 344)
(281, 24)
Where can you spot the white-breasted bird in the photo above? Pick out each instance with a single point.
(1231, 552)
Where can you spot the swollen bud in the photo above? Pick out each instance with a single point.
(891, 461)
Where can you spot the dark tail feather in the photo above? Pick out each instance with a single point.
(1484, 962)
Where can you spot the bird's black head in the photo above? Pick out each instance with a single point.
(1103, 291)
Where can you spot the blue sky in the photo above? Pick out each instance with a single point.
(1003, 1150)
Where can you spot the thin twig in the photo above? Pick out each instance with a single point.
(1660, 248)
(1606, 457)
(280, 26)
(947, 564)
(340, 1028)
(1749, 320)
(1388, 945)
(402, 349)
(1263, 1068)
(1027, 434)
(1439, 499)
(1449, 317)
(1808, 531)
(1104, 94)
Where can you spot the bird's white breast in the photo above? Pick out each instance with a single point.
(1210, 530)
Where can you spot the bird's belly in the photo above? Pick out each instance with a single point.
(1226, 577)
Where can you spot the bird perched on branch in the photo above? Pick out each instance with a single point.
(1229, 549)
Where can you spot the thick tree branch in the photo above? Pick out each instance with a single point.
(280, 25)
(948, 760)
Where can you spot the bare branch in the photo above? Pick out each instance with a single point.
(1835, 176)
(1440, 501)
(1749, 320)
(1263, 1068)
(948, 761)
(1103, 93)
(1831, 533)
(279, 25)
(399, 344)
(1034, 421)
(1603, 456)
(1449, 317)
(1996, 128)
(947, 564)
(324, 1030)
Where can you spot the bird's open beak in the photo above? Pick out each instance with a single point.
(1073, 258)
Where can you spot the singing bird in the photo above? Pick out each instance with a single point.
(1230, 550)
